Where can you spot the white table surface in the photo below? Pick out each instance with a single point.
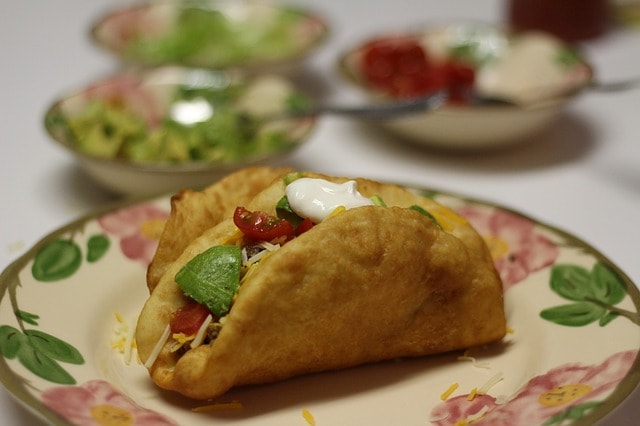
(583, 175)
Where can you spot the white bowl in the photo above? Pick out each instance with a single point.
(538, 74)
(219, 34)
(175, 141)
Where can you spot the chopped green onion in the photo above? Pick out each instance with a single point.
(378, 201)
(426, 213)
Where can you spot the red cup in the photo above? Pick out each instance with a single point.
(570, 20)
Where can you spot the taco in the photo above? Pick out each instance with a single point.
(318, 273)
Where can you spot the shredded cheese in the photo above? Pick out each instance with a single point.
(129, 346)
(490, 383)
(510, 330)
(435, 419)
(337, 211)
(473, 417)
(306, 414)
(472, 394)
(158, 347)
(474, 361)
(446, 394)
(256, 258)
(220, 406)
(202, 332)
(180, 339)
(123, 340)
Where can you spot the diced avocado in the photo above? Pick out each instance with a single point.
(103, 130)
(212, 277)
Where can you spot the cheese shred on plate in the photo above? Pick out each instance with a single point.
(124, 340)
(306, 414)
(474, 361)
(446, 394)
(472, 394)
(490, 383)
(476, 416)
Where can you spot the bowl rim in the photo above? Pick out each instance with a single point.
(303, 11)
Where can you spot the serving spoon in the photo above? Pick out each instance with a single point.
(375, 111)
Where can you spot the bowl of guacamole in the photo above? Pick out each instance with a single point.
(168, 128)
(218, 34)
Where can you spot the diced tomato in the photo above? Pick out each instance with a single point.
(460, 79)
(188, 318)
(304, 226)
(396, 65)
(261, 226)
(401, 67)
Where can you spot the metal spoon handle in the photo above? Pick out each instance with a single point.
(376, 111)
(615, 86)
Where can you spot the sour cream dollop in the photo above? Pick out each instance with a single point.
(318, 198)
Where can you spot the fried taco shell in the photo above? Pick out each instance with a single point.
(369, 284)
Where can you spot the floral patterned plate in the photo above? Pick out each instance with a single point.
(68, 309)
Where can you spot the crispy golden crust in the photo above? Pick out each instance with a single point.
(194, 211)
(417, 290)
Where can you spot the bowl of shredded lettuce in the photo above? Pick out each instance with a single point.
(168, 128)
(219, 34)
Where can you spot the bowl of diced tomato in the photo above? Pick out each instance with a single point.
(501, 87)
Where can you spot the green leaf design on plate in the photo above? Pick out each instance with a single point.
(57, 260)
(607, 285)
(571, 282)
(11, 340)
(97, 246)
(43, 366)
(573, 413)
(54, 347)
(575, 314)
(27, 317)
(39, 353)
(594, 292)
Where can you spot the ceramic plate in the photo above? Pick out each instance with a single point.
(68, 308)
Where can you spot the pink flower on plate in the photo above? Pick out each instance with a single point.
(572, 386)
(96, 402)
(139, 228)
(517, 247)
